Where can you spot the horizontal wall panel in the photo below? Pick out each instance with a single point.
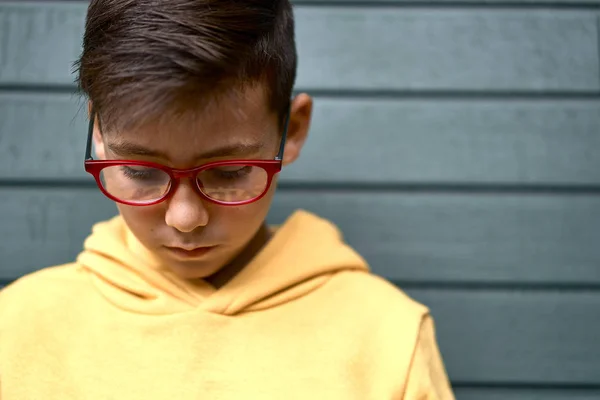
(39, 41)
(406, 237)
(517, 336)
(500, 393)
(361, 48)
(376, 3)
(42, 135)
(465, 238)
(451, 141)
(452, 50)
(358, 141)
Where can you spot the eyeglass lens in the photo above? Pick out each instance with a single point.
(141, 184)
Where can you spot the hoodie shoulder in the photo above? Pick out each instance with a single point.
(371, 293)
(55, 274)
(44, 288)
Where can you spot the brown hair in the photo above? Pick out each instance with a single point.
(144, 58)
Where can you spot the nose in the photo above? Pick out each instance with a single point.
(186, 210)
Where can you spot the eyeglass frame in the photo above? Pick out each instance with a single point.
(95, 167)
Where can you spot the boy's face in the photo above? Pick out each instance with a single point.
(247, 129)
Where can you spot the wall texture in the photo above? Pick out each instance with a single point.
(456, 143)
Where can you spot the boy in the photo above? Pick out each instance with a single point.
(187, 294)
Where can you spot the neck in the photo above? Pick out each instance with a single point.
(229, 271)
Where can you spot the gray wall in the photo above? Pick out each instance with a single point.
(456, 143)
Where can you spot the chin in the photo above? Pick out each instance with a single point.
(193, 270)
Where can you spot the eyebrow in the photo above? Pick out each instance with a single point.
(234, 150)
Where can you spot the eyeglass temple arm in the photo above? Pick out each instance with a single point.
(284, 136)
(88, 148)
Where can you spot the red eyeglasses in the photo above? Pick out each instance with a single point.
(140, 183)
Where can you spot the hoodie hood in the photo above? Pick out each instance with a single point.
(302, 255)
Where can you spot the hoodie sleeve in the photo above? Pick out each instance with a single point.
(427, 378)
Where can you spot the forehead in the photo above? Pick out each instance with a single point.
(233, 119)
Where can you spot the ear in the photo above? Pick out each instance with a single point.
(97, 135)
(298, 127)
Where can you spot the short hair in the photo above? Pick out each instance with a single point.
(144, 58)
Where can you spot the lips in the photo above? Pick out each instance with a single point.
(189, 252)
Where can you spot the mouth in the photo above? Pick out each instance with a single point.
(189, 253)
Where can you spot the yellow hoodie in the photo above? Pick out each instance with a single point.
(304, 320)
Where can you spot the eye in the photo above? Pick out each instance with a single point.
(232, 172)
(142, 173)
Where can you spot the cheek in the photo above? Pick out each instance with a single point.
(240, 223)
(142, 220)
